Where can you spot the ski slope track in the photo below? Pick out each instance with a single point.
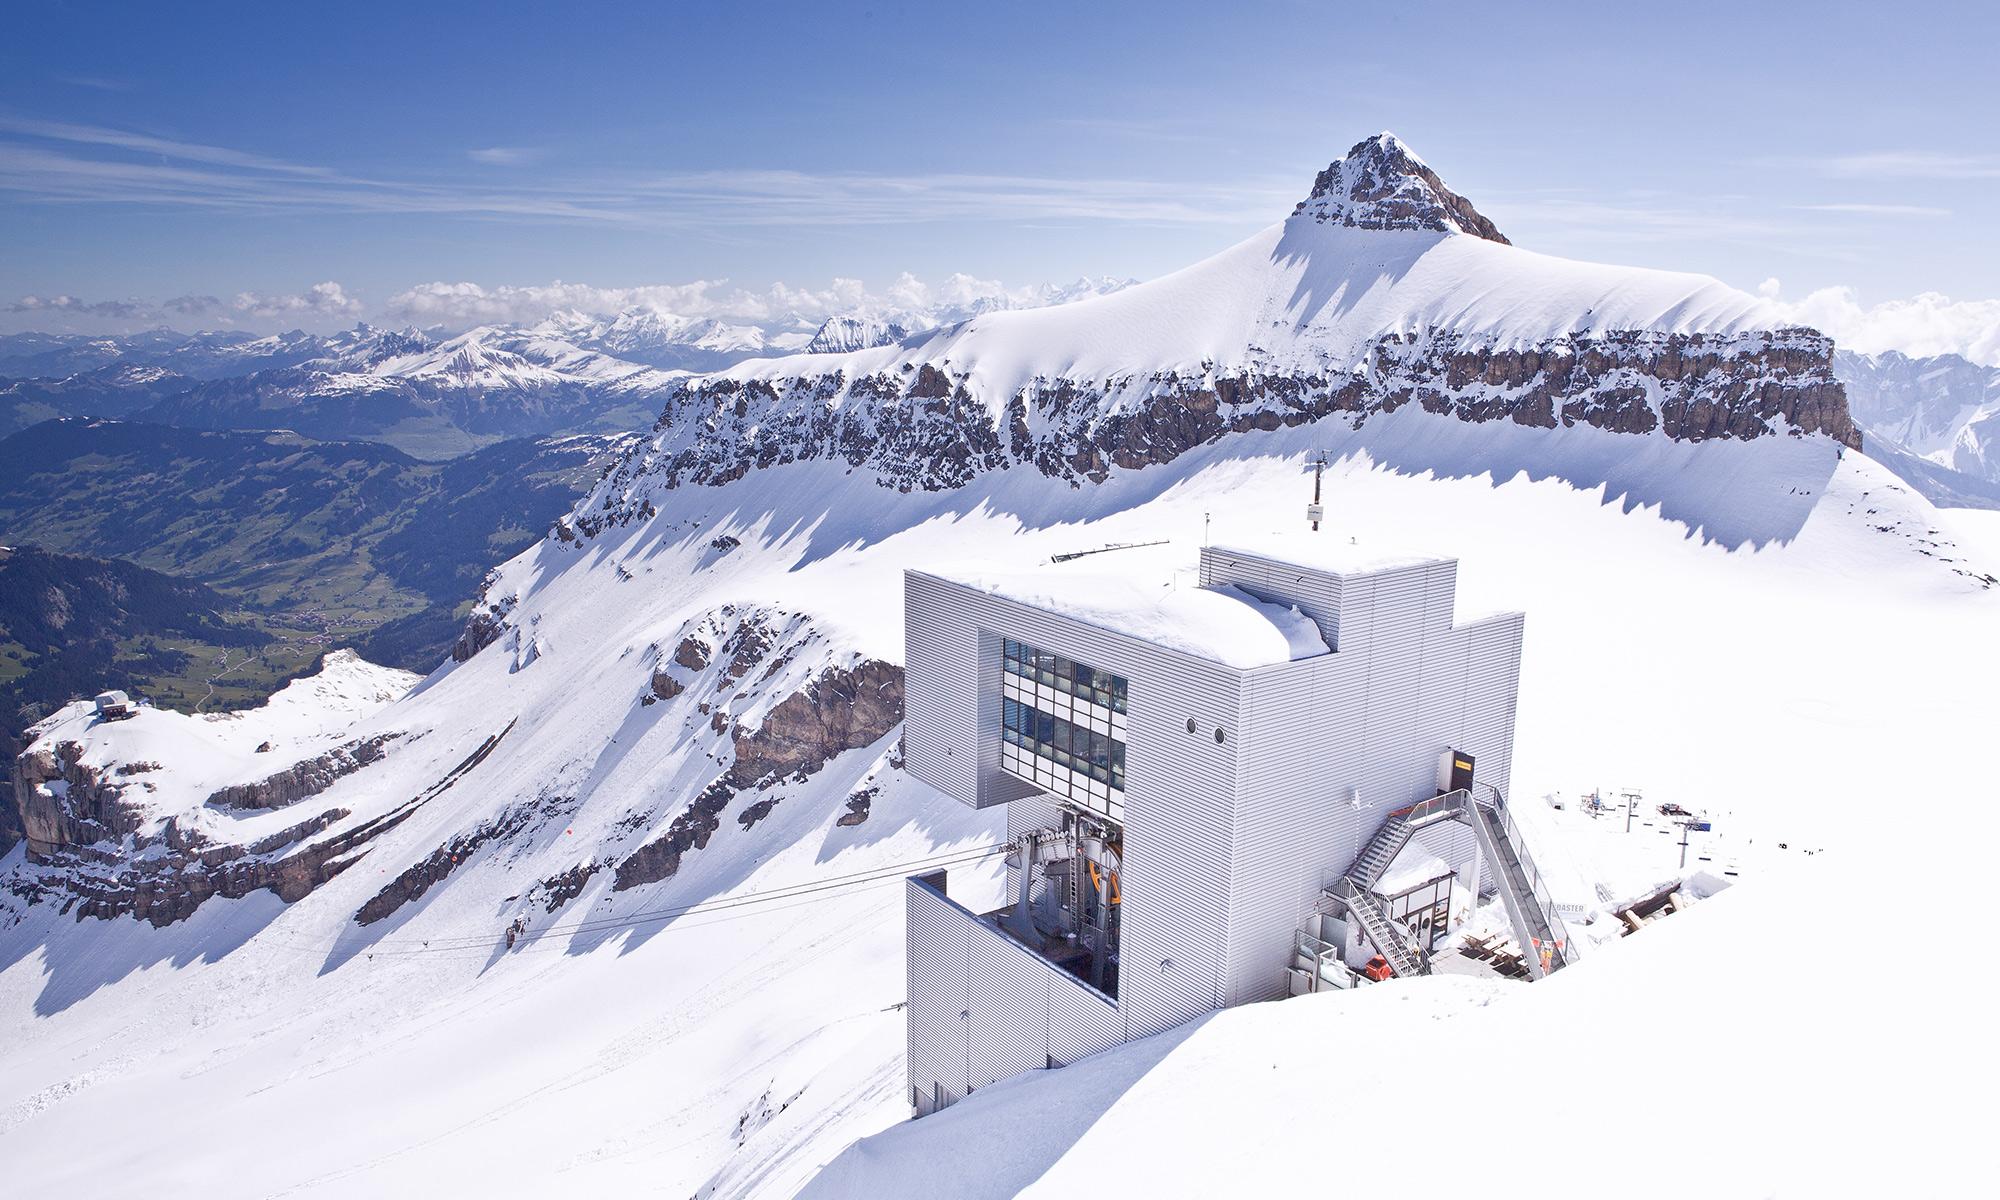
(611, 899)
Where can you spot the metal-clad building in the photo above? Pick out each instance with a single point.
(1181, 791)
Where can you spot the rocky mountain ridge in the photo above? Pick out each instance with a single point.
(1384, 290)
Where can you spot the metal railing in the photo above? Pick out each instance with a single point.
(1329, 967)
(1433, 810)
(1562, 946)
(1396, 943)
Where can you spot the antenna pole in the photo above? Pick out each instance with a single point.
(1314, 511)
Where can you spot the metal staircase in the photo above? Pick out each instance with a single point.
(1381, 850)
(1384, 933)
(1545, 942)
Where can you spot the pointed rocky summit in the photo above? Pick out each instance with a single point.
(1381, 185)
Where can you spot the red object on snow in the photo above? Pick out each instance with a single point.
(1378, 969)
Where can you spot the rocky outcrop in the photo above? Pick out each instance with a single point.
(485, 625)
(303, 779)
(94, 851)
(415, 880)
(93, 859)
(843, 709)
(661, 858)
(692, 654)
(858, 806)
(1690, 387)
(1379, 184)
(564, 886)
(64, 802)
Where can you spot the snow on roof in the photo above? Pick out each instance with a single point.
(1221, 624)
(1323, 552)
(1414, 867)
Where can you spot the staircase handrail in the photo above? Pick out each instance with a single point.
(1563, 951)
(1356, 897)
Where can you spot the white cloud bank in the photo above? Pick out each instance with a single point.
(1921, 326)
(317, 305)
(466, 303)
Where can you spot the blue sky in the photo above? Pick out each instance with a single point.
(151, 152)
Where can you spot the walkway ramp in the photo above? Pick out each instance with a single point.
(1545, 942)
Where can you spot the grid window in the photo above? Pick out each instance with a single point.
(1064, 676)
(1061, 722)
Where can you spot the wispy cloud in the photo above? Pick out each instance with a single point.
(503, 156)
(914, 302)
(71, 134)
(1910, 164)
(69, 163)
(1639, 217)
(120, 310)
(1877, 210)
(99, 83)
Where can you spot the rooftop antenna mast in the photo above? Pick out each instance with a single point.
(1314, 512)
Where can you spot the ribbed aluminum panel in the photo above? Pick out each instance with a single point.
(1333, 744)
(983, 1008)
(1226, 845)
(936, 941)
(1081, 1022)
(1179, 786)
(1008, 993)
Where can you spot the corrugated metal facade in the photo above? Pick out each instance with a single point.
(983, 1008)
(1226, 845)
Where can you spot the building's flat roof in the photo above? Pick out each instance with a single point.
(1323, 552)
(1222, 625)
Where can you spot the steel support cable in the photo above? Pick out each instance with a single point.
(604, 924)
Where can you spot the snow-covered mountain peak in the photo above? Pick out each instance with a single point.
(1381, 185)
(841, 334)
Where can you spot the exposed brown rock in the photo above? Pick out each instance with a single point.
(661, 858)
(564, 886)
(303, 779)
(841, 710)
(692, 654)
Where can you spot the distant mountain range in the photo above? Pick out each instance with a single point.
(1944, 410)
(429, 393)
